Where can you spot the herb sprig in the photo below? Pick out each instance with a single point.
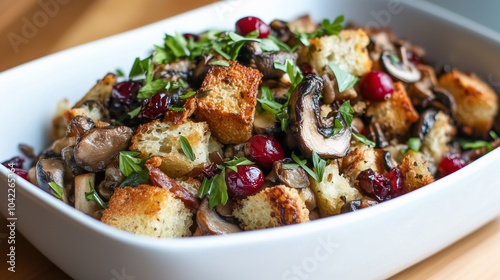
(94, 196)
(327, 27)
(346, 111)
(133, 169)
(319, 165)
(58, 190)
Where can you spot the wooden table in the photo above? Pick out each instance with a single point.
(70, 23)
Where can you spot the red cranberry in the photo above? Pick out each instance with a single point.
(376, 86)
(306, 68)
(381, 186)
(450, 164)
(154, 107)
(244, 182)
(15, 162)
(264, 150)
(249, 24)
(21, 173)
(123, 99)
(188, 36)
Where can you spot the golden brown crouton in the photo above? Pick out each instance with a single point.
(415, 173)
(148, 210)
(330, 190)
(228, 96)
(272, 207)
(477, 102)
(90, 109)
(362, 157)
(347, 50)
(159, 138)
(100, 91)
(394, 115)
(434, 144)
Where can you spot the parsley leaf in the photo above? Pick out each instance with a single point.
(346, 111)
(219, 63)
(344, 80)
(128, 162)
(139, 67)
(318, 163)
(188, 94)
(326, 28)
(94, 196)
(414, 143)
(186, 148)
(151, 88)
(58, 190)
(363, 140)
(135, 179)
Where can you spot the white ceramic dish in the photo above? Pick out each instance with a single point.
(370, 244)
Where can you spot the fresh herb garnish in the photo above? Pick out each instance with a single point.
(346, 111)
(132, 114)
(133, 168)
(414, 143)
(139, 67)
(216, 187)
(344, 79)
(318, 166)
(58, 190)
(119, 72)
(327, 28)
(186, 147)
(219, 63)
(188, 94)
(94, 196)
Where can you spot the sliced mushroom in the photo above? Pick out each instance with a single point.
(358, 204)
(69, 159)
(113, 177)
(307, 194)
(179, 69)
(425, 123)
(79, 125)
(253, 56)
(82, 187)
(376, 134)
(210, 223)
(442, 100)
(226, 211)
(400, 69)
(53, 170)
(100, 146)
(291, 177)
(264, 123)
(313, 132)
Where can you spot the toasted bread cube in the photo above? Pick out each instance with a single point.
(159, 138)
(347, 50)
(415, 173)
(396, 114)
(148, 210)
(477, 102)
(435, 142)
(331, 189)
(360, 158)
(227, 102)
(272, 207)
(100, 91)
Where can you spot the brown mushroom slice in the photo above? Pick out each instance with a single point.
(442, 100)
(425, 123)
(264, 123)
(265, 63)
(291, 177)
(210, 223)
(402, 70)
(82, 187)
(100, 146)
(313, 132)
(53, 170)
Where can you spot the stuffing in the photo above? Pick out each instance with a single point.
(477, 102)
(415, 173)
(394, 115)
(347, 50)
(333, 190)
(159, 138)
(227, 101)
(435, 142)
(271, 207)
(148, 210)
(362, 157)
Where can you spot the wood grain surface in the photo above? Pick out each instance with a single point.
(71, 23)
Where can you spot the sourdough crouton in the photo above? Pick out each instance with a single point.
(148, 210)
(347, 50)
(435, 141)
(159, 138)
(396, 114)
(227, 102)
(271, 207)
(331, 189)
(362, 157)
(90, 109)
(477, 102)
(415, 173)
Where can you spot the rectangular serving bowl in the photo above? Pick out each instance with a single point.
(370, 244)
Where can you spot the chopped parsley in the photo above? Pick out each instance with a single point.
(345, 80)
(327, 28)
(133, 168)
(58, 190)
(319, 165)
(346, 111)
(414, 144)
(94, 196)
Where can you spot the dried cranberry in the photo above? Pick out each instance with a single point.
(188, 36)
(247, 25)
(450, 163)
(376, 86)
(247, 180)
(21, 173)
(381, 186)
(306, 68)
(264, 150)
(15, 162)
(123, 99)
(154, 107)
